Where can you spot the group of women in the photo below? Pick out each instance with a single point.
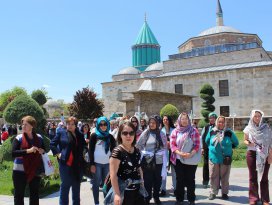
(137, 160)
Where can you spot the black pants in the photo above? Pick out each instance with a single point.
(133, 198)
(206, 176)
(19, 183)
(152, 179)
(185, 178)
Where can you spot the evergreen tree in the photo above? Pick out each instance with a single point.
(206, 93)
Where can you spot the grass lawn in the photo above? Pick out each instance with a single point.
(50, 184)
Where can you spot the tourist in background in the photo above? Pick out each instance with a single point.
(153, 145)
(68, 146)
(52, 130)
(85, 130)
(113, 128)
(100, 147)
(220, 141)
(185, 147)
(168, 127)
(205, 149)
(124, 165)
(27, 149)
(4, 135)
(143, 124)
(136, 124)
(257, 137)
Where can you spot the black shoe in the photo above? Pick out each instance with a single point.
(212, 197)
(157, 201)
(163, 193)
(192, 203)
(179, 203)
(147, 202)
(225, 196)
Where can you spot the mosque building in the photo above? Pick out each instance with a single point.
(234, 63)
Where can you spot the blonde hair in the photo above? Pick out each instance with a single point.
(30, 120)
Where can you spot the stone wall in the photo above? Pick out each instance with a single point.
(249, 88)
(152, 102)
(217, 39)
(219, 59)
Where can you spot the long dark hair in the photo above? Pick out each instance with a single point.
(120, 130)
(170, 120)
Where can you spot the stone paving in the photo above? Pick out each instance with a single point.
(238, 192)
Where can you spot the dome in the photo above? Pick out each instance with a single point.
(155, 66)
(219, 29)
(128, 71)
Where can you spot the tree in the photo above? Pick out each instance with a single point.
(9, 95)
(206, 93)
(170, 110)
(39, 97)
(24, 105)
(86, 105)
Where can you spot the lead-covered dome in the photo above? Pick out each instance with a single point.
(128, 71)
(155, 66)
(219, 29)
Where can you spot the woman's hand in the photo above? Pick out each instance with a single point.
(187, 155)
(32, 150)
(41, 151)
(93, 169)
(117, 199)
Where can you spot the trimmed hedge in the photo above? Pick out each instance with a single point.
(170, 110)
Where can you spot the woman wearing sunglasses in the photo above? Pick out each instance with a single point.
(100, 147)
(125, 170)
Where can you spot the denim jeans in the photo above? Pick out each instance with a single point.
(100, 174)
(68, 181)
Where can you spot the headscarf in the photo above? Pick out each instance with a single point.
(103, 135)
(260, 135)
(213, 114)
(219, 136)
(155, 131)
(185, 131)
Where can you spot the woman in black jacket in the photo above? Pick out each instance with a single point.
(100, 147)
(68, 145)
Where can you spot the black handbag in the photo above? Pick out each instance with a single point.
(86, 163)
(227, 160)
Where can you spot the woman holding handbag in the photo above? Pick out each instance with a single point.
(27, 149)
(153, 145)
(220, 141)
(186, 153)
(258, 138)
(68, 146)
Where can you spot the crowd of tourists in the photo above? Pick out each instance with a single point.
(130, 158)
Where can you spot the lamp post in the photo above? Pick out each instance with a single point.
(233, 116)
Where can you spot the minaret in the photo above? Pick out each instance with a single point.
(219, 15)
(146, 49)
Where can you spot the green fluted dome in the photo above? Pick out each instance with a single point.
(146, 36)
(146, 49)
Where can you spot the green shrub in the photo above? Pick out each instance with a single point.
(202, 123)
(6, 149)
(206, 93)
(21, 106)
(39, 97)
(170, 110)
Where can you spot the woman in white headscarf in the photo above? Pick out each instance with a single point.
(258, 138)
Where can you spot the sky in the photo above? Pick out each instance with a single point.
(66, 45)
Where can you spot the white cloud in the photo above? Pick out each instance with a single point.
(46, 86)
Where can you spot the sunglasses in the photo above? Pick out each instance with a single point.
(102, 124)
(128, 133)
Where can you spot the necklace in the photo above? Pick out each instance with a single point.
(129, 150)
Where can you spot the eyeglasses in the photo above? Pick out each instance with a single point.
(128, 133)
(102, 124)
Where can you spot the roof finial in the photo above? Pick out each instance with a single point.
(219, 15)
(145, 18)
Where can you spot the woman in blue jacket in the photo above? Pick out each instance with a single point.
(221, 141)
(68, 145)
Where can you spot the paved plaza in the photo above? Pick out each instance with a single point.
(238, 192)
